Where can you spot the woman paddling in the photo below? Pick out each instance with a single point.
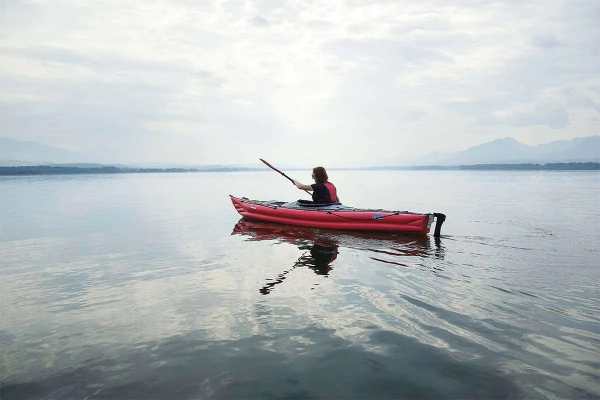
(323, 190)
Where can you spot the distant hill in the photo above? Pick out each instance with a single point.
(21, 152)
(580, 149)
(511, 151)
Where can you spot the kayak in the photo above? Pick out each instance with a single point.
(336, 216)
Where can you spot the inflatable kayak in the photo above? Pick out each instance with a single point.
(336, 216)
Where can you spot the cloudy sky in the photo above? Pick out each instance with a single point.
(302, 82)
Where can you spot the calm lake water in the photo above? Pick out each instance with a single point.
(149, 286)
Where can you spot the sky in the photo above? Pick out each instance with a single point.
(333, 83)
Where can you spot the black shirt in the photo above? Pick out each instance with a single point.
(321, 193)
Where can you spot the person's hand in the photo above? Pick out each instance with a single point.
(296, 183)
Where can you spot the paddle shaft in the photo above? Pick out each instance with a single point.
(275, 169)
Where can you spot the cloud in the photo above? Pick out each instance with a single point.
(259, 21)
(222, 81)
(550, 115)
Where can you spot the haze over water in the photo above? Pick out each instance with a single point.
(150, 286)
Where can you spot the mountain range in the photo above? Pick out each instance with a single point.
(20, 152)
(511, 151)
(501, 151)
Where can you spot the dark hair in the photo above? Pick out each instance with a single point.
(320, 175)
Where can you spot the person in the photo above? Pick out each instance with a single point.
(323, 190)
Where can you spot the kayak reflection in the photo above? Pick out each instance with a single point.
(321, 247)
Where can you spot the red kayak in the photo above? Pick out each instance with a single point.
(336, 216)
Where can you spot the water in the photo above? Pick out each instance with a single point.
(149, 286)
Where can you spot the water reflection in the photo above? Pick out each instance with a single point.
(321, 247)
(306, 362)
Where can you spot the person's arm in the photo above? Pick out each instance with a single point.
(302, 186)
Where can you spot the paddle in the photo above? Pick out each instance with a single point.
(275, 169)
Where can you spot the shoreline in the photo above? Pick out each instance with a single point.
(66, 170)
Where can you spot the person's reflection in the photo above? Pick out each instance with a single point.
(318, 258)
(319, 252)
(321, 257)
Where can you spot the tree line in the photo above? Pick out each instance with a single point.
(52, 170)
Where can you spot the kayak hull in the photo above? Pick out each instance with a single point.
(333, 217)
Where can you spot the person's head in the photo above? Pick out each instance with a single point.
(320, 175)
